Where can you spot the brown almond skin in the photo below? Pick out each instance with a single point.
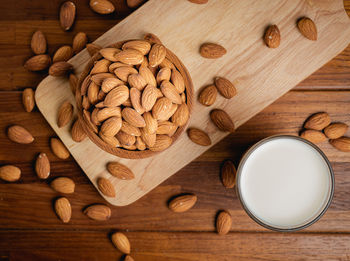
(10, 173)
(120, 171)
(272, 36)
(59, 149)
(222, 120)
(134, 3)
(19, 134)
(225, 87)
(93, 48)
(162, 142)
(317, 121)
(79, 42)
(223, 222)
(212, 50)
(152, 38)
(128, 258)
(156, 55)
(38, 63)
(121, 242)
(60, 69)
(335, 130)
(342, 144)
(208, 95)
(178, 81)
(102, 6)
(63, 209)
(67, 15)
(63, 185)
(98, 212)
(28, 99)
(182, 203)
(313, 136)
(77, 132)
(133, 117)
(181, 115)
(106, 187)
(63, 54)
(228, 174)
(65, 114)
(38, 43)
(308, 28)
(199, 137)
(111, 126)
(42, 166)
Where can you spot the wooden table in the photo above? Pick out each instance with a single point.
(30, 230)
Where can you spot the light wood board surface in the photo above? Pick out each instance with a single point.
(260, 74)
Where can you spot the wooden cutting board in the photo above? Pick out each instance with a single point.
(260, 74)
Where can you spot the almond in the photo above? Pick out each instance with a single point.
(63, 185)
(183, 97)
(87, 119)
(163, 75)
(181, 115)
(140, 144)
(313, 136)
(10, 173)
(93, 48)
(63, 54)
(42, 166)
(342, 144)
(134, 3)
(111, 126)
(101, 66)
(38, 43)
(149, 97)
(166, 127)
(139, 45)
(147, 75)
(98, 212)
(117, 96)
(128, 258)
(336, 130)
(135, 98)
(94, 119)
(59, 149)
(152, 38)
(127, 103)
(167, 63)
(85, 103)
(169, 91)
(182, 203)
(222, 120)
(199, 137)
(111, 140)
(67, 15)
(162, 142)
(212, 50)
(151, 123)
(28, 99)
(38, 63)
(225, 87)
(159, 93)
(308, 28)
(102, 6)
(77, 132)
(208, 95)
(100, 77)
(178, 80)
(79, 42)
(133, 117)
(171, 112)
(121, 242)
(130, 56)
(92, 94)
(120, 171)
(106, 113)
(60, 69)
(63, 209)
(65, 114)
(110, 53)
(148, 138)
(125, 139)
(106, 187)
(123, 72)
(198, 1)
(73, 82)
(19, 134)
(272, 36)
(228, 174)
(137, 81)
(110, 83)
(223, 223)
(161, 108)
(156, 55)
(129, 129)
(84, 85)
(317, 121)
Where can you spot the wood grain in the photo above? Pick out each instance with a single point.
(261, 75)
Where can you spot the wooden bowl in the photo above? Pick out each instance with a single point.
(119, 151)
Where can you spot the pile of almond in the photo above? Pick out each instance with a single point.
(134, 97)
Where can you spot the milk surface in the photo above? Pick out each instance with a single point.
(285, 183)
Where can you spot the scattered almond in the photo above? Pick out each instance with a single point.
(28, 99)
(272, 36)
(308, 28)
(38, 43)
(98, 212)
(228, 174)
(317, 121)
(342, 144)
(59, 149)
(42, 166)
(212, 50)
(38, 63)
(10, 173)
(225, 87)
(313, 136)
(120, 171)
(63, 185)
(63, 209)
(63, 54)
(102, 6)
(79, 42)
(208, 95)
(222, 120)
(106, 187)
(121, 242)
(67, 15)
(223, 223)
(60, 69)
(199, 137)
(65, 114)
(335, 130)
(182, 203)
(19, 134)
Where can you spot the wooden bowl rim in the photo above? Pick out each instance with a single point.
(119, 151)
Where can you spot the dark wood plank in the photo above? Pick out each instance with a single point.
(150, 246)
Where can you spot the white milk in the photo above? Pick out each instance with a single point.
(285, 183)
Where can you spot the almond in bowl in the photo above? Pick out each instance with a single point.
(124, 96)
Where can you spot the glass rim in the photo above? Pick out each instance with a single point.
(254, 217)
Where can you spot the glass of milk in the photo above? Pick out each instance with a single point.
(285, 183)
